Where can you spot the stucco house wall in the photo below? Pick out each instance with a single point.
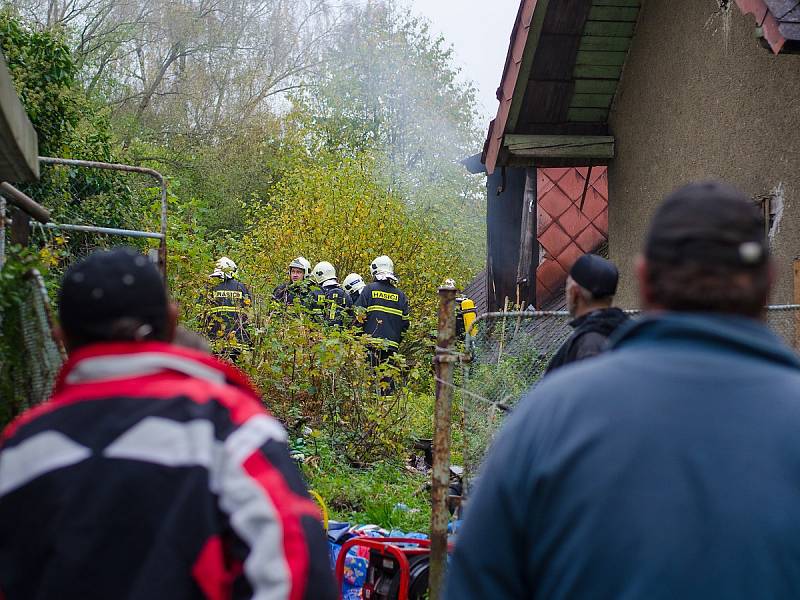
(700, 98)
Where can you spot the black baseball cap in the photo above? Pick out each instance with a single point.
(109, 285)
(708, 223)
(596, 274)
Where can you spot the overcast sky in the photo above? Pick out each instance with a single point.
(479, 31)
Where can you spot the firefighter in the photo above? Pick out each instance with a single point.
(465, 311)
(297, 286)
(386, 307)
(226, 319)
(353, 284)
(329, 302)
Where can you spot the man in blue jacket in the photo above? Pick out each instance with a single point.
(668, 467)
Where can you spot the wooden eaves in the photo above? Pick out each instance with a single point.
(19, 148)
(561, 74)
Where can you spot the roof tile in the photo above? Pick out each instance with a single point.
(555, 202)
(554, 240)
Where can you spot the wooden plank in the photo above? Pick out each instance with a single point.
(554, 58)
(547, 101)
(591, 101)
(605, 44)
(566, 17)
(587, 115)
(606, 59)
(526, 268)
(564, 128)
(19, 144)
(519, 140)
(609, 29)
(595, 86)
(592, 151)
(554, 146)
(597, 72)
(616, 3)
(614, 14)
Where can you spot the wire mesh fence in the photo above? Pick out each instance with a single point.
(510, 352)
(94, 205)
(80, 206)
(31, 360)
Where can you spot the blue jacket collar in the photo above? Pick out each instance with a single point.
(724, 332)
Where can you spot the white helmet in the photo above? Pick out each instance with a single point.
(382, 268)
(353, 284)
(301, 263)
(324, 273)
(225, 268)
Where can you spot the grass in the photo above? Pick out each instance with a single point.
(385, 494)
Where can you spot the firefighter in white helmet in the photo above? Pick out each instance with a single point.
(386, 306)
(297, 286)
(329, 302)
(353, 284)
(228, 306)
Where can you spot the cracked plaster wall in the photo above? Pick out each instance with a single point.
(698, 101)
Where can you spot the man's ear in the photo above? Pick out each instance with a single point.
(642, 278)
(60, 337)
(172, 321)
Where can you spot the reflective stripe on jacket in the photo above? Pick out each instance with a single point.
(387, 312)
(332, 305)
(226, 318)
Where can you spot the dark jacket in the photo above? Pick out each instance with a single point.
(387, 312)
(591, 334)
(666, 468)
(332, 305)
(226, 314)
(290, 291)
(154, 472)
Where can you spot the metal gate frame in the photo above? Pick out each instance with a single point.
(92, 164)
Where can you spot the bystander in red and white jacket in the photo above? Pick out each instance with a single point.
(154, 472)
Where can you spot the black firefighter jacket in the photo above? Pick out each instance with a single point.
(387, 311)
(331, 304)
(226, 317)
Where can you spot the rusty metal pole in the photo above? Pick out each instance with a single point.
(445, 359)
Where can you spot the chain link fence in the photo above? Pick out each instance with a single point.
(79, 206)
(30, 361)
(96, 205)
(510, 352)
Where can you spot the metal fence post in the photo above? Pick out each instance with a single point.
(445, 358)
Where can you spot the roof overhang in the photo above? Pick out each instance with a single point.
(563, 66)
(561, 73)
(19, 148)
